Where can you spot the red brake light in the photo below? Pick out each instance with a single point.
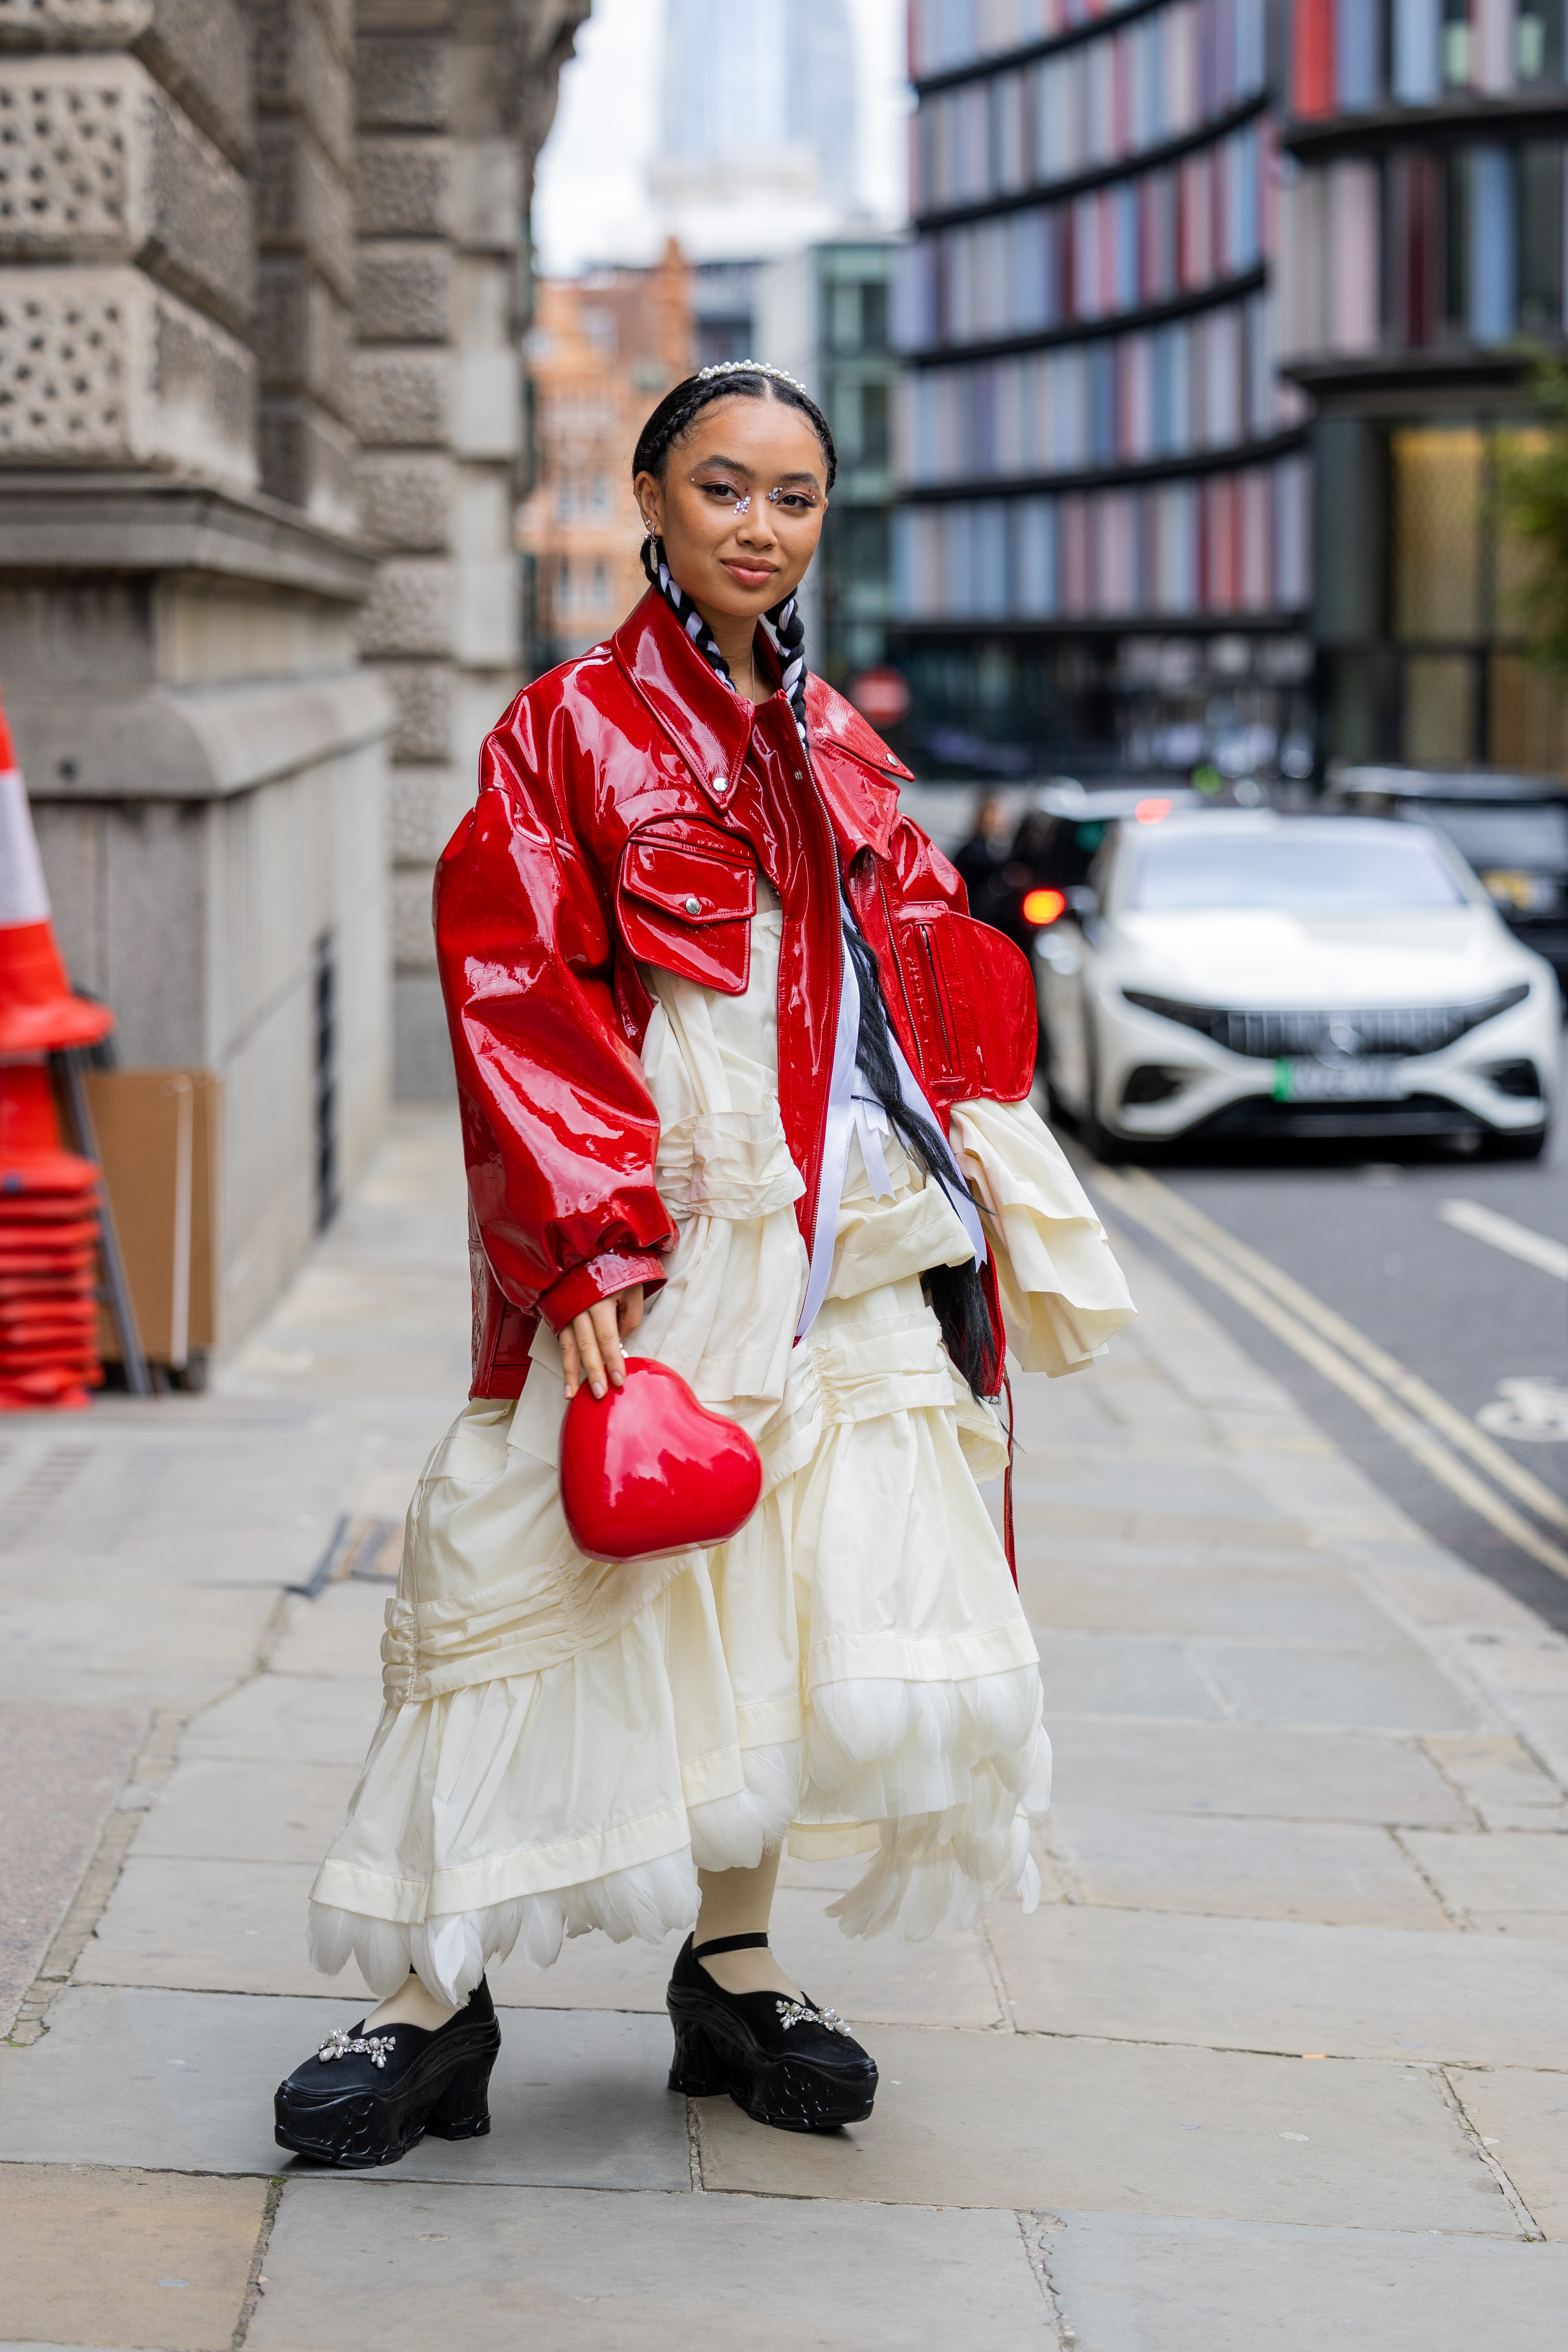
(1151, 811)
(1043, 907)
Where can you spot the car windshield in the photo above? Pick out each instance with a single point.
(1298, 870)
(1505, 836)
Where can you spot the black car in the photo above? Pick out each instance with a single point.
(1058, 836)
(1512, 831)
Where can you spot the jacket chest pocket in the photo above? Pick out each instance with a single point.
(686, 905)
(971, 999)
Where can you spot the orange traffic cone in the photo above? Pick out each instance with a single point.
(48, 1197)
(39, 1013)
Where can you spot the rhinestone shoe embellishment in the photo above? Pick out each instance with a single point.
(796, 2012)
(339, 2044)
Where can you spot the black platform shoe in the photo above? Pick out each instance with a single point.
(365, 2100)
(787, 2063)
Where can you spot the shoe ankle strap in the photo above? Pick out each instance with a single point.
(729, 1944)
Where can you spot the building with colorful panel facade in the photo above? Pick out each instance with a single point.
(1103, 555)
(1422, 257)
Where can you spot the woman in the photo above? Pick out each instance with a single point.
(714, 1003)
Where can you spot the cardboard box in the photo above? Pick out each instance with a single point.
(159, 1137)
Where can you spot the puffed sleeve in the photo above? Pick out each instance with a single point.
(1063, 1293)
(559, 1131)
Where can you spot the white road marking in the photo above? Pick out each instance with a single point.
(1536, 1411)
(1408, 1386)
(1486, 1225)
(1350, 1364)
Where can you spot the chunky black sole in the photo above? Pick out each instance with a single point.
(790, 2094)
(446, 2093)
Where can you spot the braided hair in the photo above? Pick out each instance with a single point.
(957, 1294)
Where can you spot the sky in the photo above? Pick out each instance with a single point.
(591, 202)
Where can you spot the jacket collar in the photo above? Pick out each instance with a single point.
(709, 724)
(856, 773)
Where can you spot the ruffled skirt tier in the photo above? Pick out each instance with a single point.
(852, 1670)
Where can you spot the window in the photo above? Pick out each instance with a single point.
(1437, 488)
(1303, 868)
(1537, 43)
(1539, 201)
(1456, 43)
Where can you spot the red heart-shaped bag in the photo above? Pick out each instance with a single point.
(648, 1468)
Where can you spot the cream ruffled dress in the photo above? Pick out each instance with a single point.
(565, 1741)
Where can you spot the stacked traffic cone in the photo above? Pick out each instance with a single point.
(48, 1197)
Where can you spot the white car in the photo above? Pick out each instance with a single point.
(1244, 973)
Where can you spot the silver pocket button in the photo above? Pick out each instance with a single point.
(694, 905)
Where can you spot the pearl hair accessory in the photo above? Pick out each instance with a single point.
(749, 367)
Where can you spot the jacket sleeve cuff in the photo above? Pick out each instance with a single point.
(601, 1277)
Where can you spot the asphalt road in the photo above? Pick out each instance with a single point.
(1369, 1239)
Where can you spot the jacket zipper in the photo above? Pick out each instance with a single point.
(924, 930)
(897, 960)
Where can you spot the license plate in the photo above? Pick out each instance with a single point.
(1379, 1077)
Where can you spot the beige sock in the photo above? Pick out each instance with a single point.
(411, 2005)
(738, 1903)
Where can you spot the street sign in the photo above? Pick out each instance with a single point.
(882, 696)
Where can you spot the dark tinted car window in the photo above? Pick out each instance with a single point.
(1058, 850)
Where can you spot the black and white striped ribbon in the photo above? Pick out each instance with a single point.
(785, 621)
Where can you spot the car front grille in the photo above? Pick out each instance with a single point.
(1332, 1037)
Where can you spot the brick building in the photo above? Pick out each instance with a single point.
(602, 351)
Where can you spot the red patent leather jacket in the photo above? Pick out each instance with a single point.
(628, 802)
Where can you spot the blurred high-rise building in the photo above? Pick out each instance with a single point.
(824, 315)
(757, 124)
(1422, 257)
(1104, 550)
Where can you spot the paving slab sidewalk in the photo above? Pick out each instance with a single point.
(1281, 2058)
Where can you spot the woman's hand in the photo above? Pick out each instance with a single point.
(591, 1343)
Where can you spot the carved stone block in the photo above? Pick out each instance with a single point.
(338, 16)
(304, 334)
(103, 365)
(410, 609)
(97, 162)
(73, 23)
(404, 80)
(404, 293)
(413, 938)
(422, 702)
(407, 501)
(203, 229)
(426, 805)
(402, 399)
(487, 195)
(307, 458)
(403, 187)
(200, 51)
(488, 422)
(299, 70)
(302, 203)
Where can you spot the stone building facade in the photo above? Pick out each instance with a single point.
(262, 278)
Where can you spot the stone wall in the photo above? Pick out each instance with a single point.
(259, 273)
(449, 126)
